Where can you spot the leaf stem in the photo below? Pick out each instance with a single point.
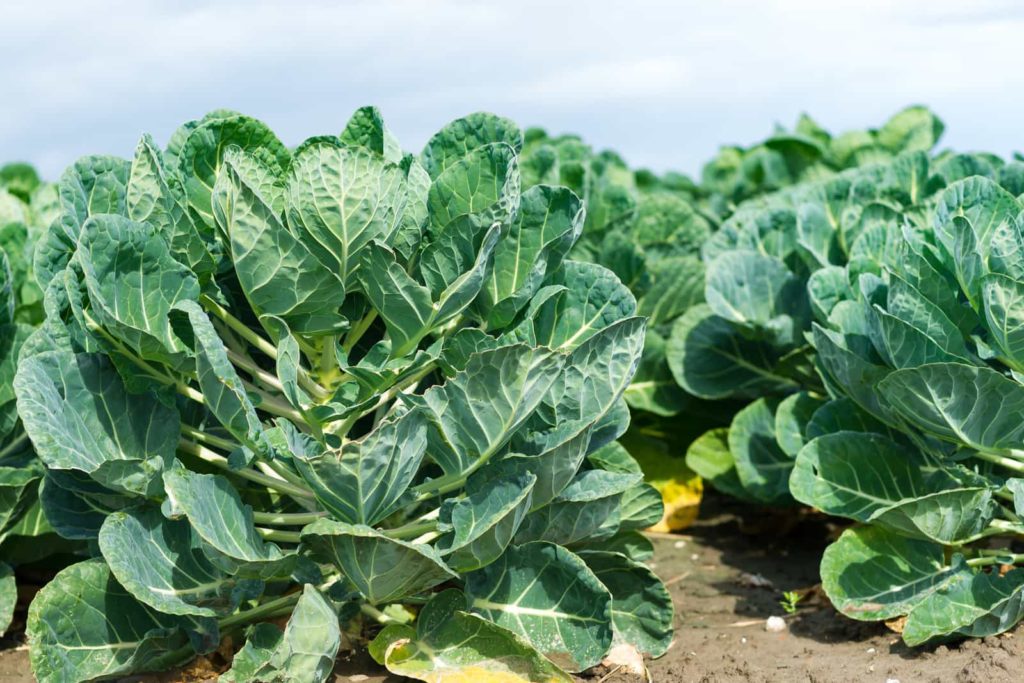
(279, 535)
(1008, 463)
(268, 609)
(210, 439)
(14, 446)
(286, 518)
(1000, 558)
(357, 332)
(255, 371)
(240, 328)
(376, 614)
(219, 461)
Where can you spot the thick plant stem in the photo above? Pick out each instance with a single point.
(278, 535)
(240, 328)
(1003, 558)
(286, 518)
(376, 614)
(1008, 463)
(219, 461)
(268, 609)
(209, 439)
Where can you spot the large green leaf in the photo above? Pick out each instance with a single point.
(223, 523)
(91, 186)
(84, 626)
(278, 273)
(80, 417)
(340, 199)
(382, 569)
(461, 136)
(642, 610)
(478, 410)
(304, 653)
(364, 481)
(548, 223)
(155, 560)
(973, 605)
(872, 574)
(761, 464)
(223, 392)
(710, 457)
(547, 595)
(133, 283)
(710, 358)
(8, 596)
(485, 521)
(201, 154)
(450, 645)
(154, 196)
(966, 404)
(588, 509)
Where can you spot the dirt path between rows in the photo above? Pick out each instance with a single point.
(726, 575)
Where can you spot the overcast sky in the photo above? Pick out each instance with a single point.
(664, 83)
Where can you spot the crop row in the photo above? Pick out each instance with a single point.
(383, 393)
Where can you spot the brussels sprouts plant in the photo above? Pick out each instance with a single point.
(363, 388)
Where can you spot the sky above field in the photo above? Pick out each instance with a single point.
(664, 83)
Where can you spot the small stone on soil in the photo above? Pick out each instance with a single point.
(775, 625)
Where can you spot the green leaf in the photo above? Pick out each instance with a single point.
(485, 521)
(366, 129)
(756, 291)
(462, 136)
(453, 646)
(408, 308)
(710, 457)
(154, 196)
(83, 626)
(593, 299)
(1003, 301)
(202, 153)
(642, 610)
(762, 466)
(278, 274)
(588, 509)
(872, 574)
(91, 186)
(364, 481)
(973, 605)
(340, 199)
(223, 392)
(8, 596)
(710, 358)
(547, 595)
(382, 569)
(76, 506)
(654, 389)
(80, 417)
(475, 191)
(155, 560)
(133, 283)
(304, 653)
(961, 403)
(677, 283)
(868, 477)
(548, 223)
(218, 517)
(792, 417)
(472, 418)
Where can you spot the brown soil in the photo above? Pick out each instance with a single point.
(715, 569)
(726, 575)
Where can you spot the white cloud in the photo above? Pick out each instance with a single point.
(664, 82)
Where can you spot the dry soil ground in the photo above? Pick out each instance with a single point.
(726, 575)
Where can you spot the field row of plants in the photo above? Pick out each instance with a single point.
(407, 402)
